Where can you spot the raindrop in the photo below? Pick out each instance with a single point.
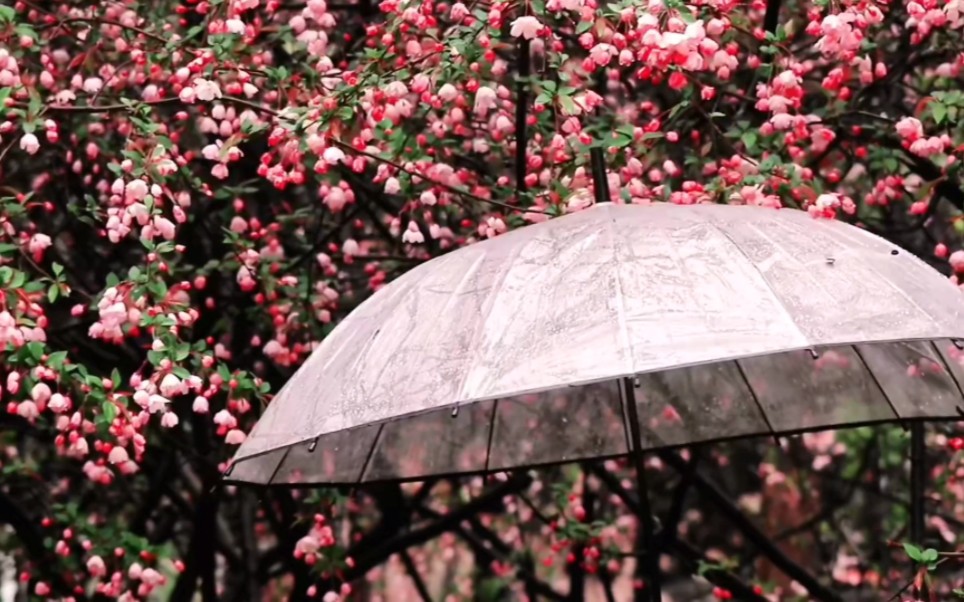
(313, 445)
(455, 411)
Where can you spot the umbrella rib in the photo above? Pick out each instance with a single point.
(950, 372)
(488, 445)
(284, 457)
(788, 316)
(880, 387)
(371, 453)
(756, 401)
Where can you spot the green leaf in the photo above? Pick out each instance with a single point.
(110, 411)
(568, 105)
(913, 552)
(182, 351)
(929, 555)
(35, 349)
(939, 112)
(18, 280)
(7, 14)
(749, 140)
(56, 360)
(53, 292)
(626, 130)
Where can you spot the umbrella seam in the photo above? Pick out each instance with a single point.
(479, 330)
(620, 295)
(779, 301)
(880, 385)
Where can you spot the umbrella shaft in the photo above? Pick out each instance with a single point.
(918, 475)
(650, 558)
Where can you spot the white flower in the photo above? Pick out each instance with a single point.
(333, 155)
(527, 27)
(30, 144)
(206, 90)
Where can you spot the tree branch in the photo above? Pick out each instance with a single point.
(752, 533)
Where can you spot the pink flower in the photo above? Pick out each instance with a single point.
(350, 247)
(136, 190)
(485, 98)
(527, 27)
(135, 570)
(29, 144)
(413, 235)
(235, 437)
(601, 54)
(235, 26)
(238, 224)
(226, 419)
(200, 405)
(187, 95)
(96, 566)
(171, 385)
(151, 577)
(206, 90)
(459, 11)
(957, 261)
(40, 393)
(909, 128)
(93, 85)
(157, 403)
(336, 199)
(169, 420)
(38, 243)
(28, 410)
(118, 455)
(448, 92)
(9, 333)
(333, 156)
(165, 227)
(220, 171)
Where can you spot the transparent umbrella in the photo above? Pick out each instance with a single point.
(613, 331)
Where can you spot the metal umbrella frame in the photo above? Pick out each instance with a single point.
(929, 356)
(900, 363)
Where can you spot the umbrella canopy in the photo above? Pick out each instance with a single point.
(713, 321)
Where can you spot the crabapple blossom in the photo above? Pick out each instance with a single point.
(194, 194)
(527, 27)
(29, 144)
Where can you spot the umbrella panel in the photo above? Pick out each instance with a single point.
(782, 393)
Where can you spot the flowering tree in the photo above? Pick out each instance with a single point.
(192, 193)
